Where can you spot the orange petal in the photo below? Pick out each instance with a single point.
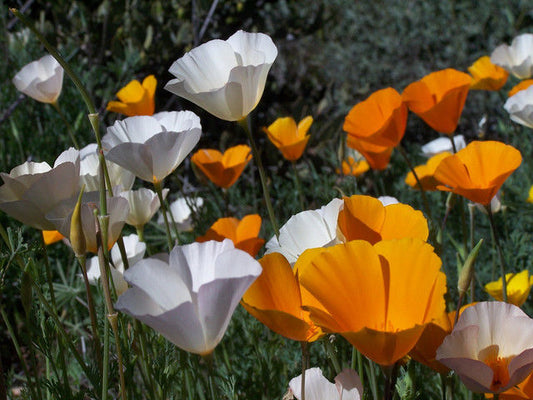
(401, 221)
(486, 75)
(361, 218)
(52, 237)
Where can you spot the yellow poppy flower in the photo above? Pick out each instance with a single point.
(486, 75)
(288, 137)
(275, 299)
(243, 233)
(135, 99)
(518, 287)
(223, 169)
(426, 173)
(378, 297)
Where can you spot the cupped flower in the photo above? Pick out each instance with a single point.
(354, 164)
(182, 209)
(135, 250)
(223, 169)
(478, 171)
(243, 233)
(366, 218)
(519, 87)
(379, 120)
(443, 145)
(307, 230)
(152, 147)
(490, 348)
(518, 287)
(347, 386)
(31, 190)
(275, 299)
(439, 98)
(143, 203)
(226, 78)
(395, 286)
(516, 58)
(117, 210)
(42, 80)
(90, 171)
(288, 137)
(486, 75)
(135, 98)
(190, 298)
(520, 107)
(425, 173)
(378, 157)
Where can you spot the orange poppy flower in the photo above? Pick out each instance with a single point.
(223, 169)
(439, 98)
(275, 299)
(366, 218)
(289, 138)
(135, 99)
(52, 237)
(486, 75)
(378, 297)
(478, 171)
(520, 86)
(354, 168)
(379, 120)
(378, 157)
(425, 173)
(243, 233)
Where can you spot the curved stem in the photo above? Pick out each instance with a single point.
(255, 153)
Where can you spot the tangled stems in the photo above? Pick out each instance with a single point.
(244, 123)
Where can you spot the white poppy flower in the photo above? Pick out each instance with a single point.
(181, 212)
(90, 171)
(135, 250)
(307, 230)
(347, 386)
(516, 58)
(520, 107)
(226, 78)
(144, 203)
(41, 80)
(152, 147)
(32, 189)
(190, 299)
(443, 144)
(388, 200)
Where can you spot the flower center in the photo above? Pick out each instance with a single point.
(499, 366)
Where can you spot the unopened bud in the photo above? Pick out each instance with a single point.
(465, 275)
(77, 237)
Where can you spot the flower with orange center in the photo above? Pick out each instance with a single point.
(243, 233)
(519, 87)
(353, 167)
(378, 297)
(51, 237)
(223, 169)
(378, 157)
(275, 299)
(379, 120)
(478, 171)
(135, 99)
(486, 75)
(523, 390)
(288, 137)
(490, 348)
(366, 218)
(425, 173)
(439, 98)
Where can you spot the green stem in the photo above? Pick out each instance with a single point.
(391, 374)
(500, 253)
(173, 221)
(55, 105)
(298, 185)
(105, 371)
(145, 365)
(245, 124)
(159, 191)
(330, 351)
(373, 380)
(305, 353)
(140, 232)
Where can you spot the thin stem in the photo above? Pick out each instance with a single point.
(159, 191)
(373, 380)
(145, 365)
(304, 367)
(500, 253)
(471, 209)
(422, 191)
(298, 185)
(330, 351)
(55, 105)
(105, 371)
(255, 153)
(391, 374)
